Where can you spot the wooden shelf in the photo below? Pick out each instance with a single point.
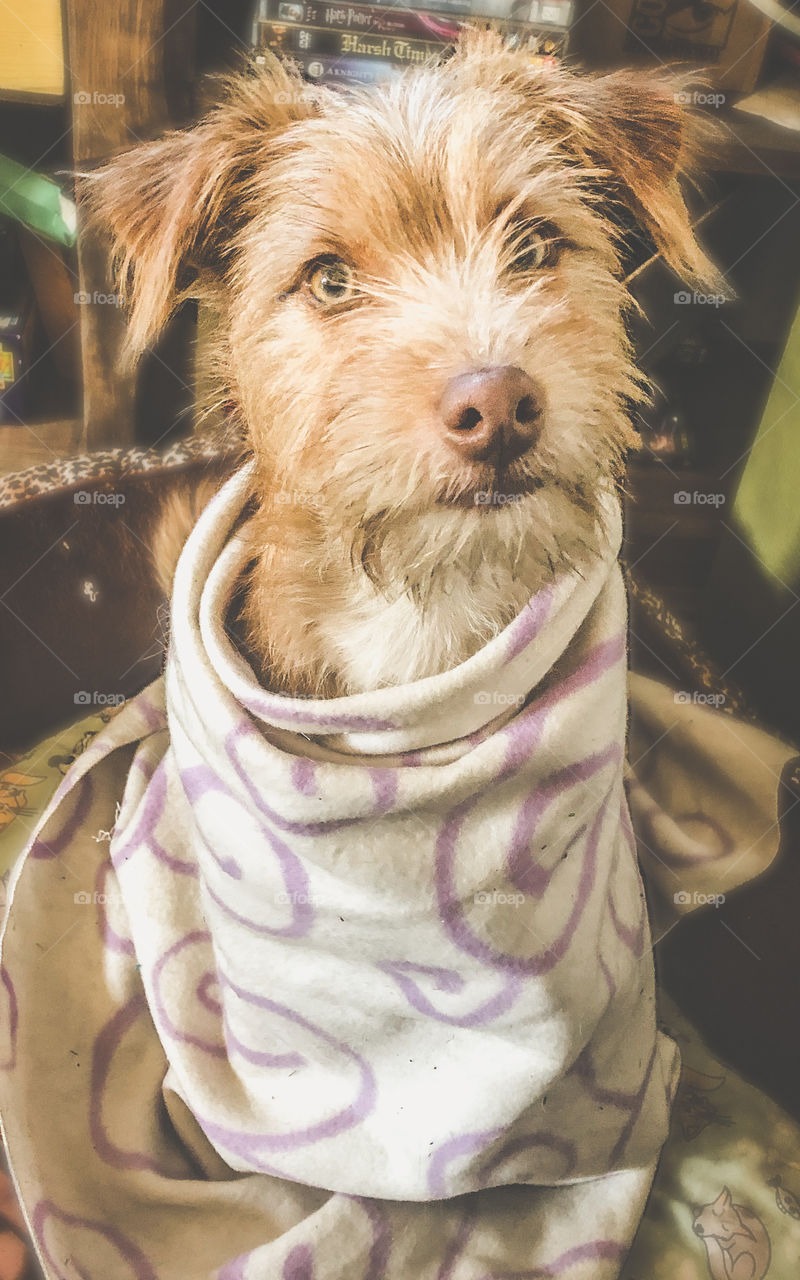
(37, 442)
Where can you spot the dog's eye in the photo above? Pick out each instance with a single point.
(331, 281)
(536, 246)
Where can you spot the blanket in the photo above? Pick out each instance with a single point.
(355, 987)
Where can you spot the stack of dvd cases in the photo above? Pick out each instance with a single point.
(362, 43)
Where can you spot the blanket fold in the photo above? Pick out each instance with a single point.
(365, 984)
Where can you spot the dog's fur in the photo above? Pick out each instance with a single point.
(374, 559)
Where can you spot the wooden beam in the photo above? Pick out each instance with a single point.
(131, 70)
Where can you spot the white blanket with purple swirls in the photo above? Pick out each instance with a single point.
(358, 989)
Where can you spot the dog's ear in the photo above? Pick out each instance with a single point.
(173, 205)
(631, 133)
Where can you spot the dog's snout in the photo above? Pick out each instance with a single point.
(491, 414)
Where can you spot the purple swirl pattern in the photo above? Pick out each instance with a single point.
(199, 781)
(299, 1265)
(564, 1149)
(457, 1244)
(635, 1111)
(461, 1147)
(384, 790)
(633, 935)
(409, 977)
(203, 1018)
(466, 1145)
(143, 831)
(9, 1021)
(583, 1068)
(108, 1043)
(455, 920)
(528, 624)
(113, 940)
(304, 775)
(251, 1146)
(236, 1269)
(592, 1251)
(83, 1241)
(381, 1244)
(57, 841)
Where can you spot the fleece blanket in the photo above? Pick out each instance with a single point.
(358, 987)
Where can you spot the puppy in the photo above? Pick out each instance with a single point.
(377, 952)
(421, 321)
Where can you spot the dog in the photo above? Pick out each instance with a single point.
(369, 935)
(421, 320)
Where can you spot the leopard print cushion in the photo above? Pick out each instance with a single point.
(65, 473)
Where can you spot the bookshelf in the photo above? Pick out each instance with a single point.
(79, 82)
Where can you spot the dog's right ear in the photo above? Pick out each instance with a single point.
(173, 205)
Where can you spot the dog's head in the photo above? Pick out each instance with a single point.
(418, 286)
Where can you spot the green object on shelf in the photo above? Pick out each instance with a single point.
(766, 510)
(36, 201)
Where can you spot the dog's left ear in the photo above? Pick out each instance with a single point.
(631, 133)
(639, 143)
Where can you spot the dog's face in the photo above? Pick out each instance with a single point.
(419, 293)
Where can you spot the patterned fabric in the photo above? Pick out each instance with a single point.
(351, 988)
(65, 473)
(327, 916)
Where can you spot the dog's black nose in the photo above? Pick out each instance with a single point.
(491, 415)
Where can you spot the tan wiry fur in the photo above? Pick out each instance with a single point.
(373, 561)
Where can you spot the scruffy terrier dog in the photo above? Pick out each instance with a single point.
(420, 305)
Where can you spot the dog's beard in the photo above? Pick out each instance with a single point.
(542, 528)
